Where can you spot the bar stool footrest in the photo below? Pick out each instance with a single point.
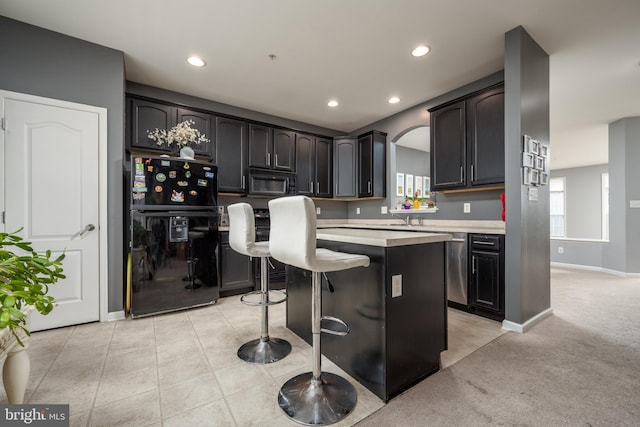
(333, 331)
(281, 297)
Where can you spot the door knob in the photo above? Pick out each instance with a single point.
(86, 229)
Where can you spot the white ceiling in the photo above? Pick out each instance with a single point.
(357, 51)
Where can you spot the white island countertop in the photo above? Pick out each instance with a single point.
(382, 238)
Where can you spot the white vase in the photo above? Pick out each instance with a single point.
(15, 372)
(187, 153)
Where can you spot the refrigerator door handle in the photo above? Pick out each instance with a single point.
(86, 229)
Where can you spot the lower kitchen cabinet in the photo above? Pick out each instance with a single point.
(486, 275)
(236, 270)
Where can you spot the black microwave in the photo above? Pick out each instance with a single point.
(271, 183)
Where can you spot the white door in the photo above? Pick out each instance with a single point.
(51, 180)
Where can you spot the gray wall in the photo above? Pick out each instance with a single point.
(217, 107)
(623, 253)
(583, 193)
(329, 209)
(579, 252)
(485, 204)
(527, 287)
(48, 64)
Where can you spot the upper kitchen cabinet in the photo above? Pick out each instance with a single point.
(467, 141)
(485, 136)
(314, 159)
(205, 124)
(345, 167)
(372, 164)
(231, 155)
(145, 116)
(271, 148)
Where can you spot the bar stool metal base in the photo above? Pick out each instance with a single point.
(317, 402)
(261, 351)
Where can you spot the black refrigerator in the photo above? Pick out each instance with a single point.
(174, 247)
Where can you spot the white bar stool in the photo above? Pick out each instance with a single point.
(242, 238)
(312, 398)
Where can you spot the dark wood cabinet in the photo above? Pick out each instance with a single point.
(345, 167)
(486, 275)
(448, 147)
(236, 269)
(231, 155)
(485, 136)
(467, 141)
(145, 116)
(271, 148)
(205, 124)
(372, 164)
(314, 160)
(284, 150)
(260, 146)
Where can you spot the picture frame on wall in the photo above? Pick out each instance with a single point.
(400, 184)
(426, 186)
(408, 184)
(543, 179)
(527, 160)
(418, 186)
(526, 175)
(544, 151)
(535, 176)
(540, 163)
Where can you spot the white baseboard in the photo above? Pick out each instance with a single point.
(508, 325)
(115, 315)
(593, 268)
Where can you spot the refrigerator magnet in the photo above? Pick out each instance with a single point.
(177, 196)
(207, 168)
(158, 188)
(150, 168)
(165, 163)
(193, 192)
(160, 177)
(186, 165)
(187, 174)
(208, 174)
(182, 183)
(202, 182)
(172, 174)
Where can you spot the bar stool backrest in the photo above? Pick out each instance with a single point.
(292, 238)
(242, 229)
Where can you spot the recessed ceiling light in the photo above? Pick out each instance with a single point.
(332, 103)
(196, 61)
(394, 100)
(420, 50)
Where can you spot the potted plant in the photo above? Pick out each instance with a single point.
(183, 135)
(25, 276)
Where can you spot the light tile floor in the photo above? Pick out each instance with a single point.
(181, 369)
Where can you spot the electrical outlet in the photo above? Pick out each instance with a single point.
(467, 207)
(357, 211)
(396, 286)
(560, 250)
(318, 210)
(383, 210)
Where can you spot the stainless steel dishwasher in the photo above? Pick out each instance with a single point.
(456, 264)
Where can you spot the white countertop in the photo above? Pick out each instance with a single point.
(382, 238)
(434, 226)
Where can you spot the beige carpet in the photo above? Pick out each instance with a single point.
(579, 367)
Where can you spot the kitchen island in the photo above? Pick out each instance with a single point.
(395, 308)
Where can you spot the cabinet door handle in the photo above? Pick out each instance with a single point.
(473, 264)
(242, 184)
(268, 159)
(310, 186)
(461, 173)
(475, 242)
(317, 187)
(368, 186)
(275, 159)
(473, 172)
